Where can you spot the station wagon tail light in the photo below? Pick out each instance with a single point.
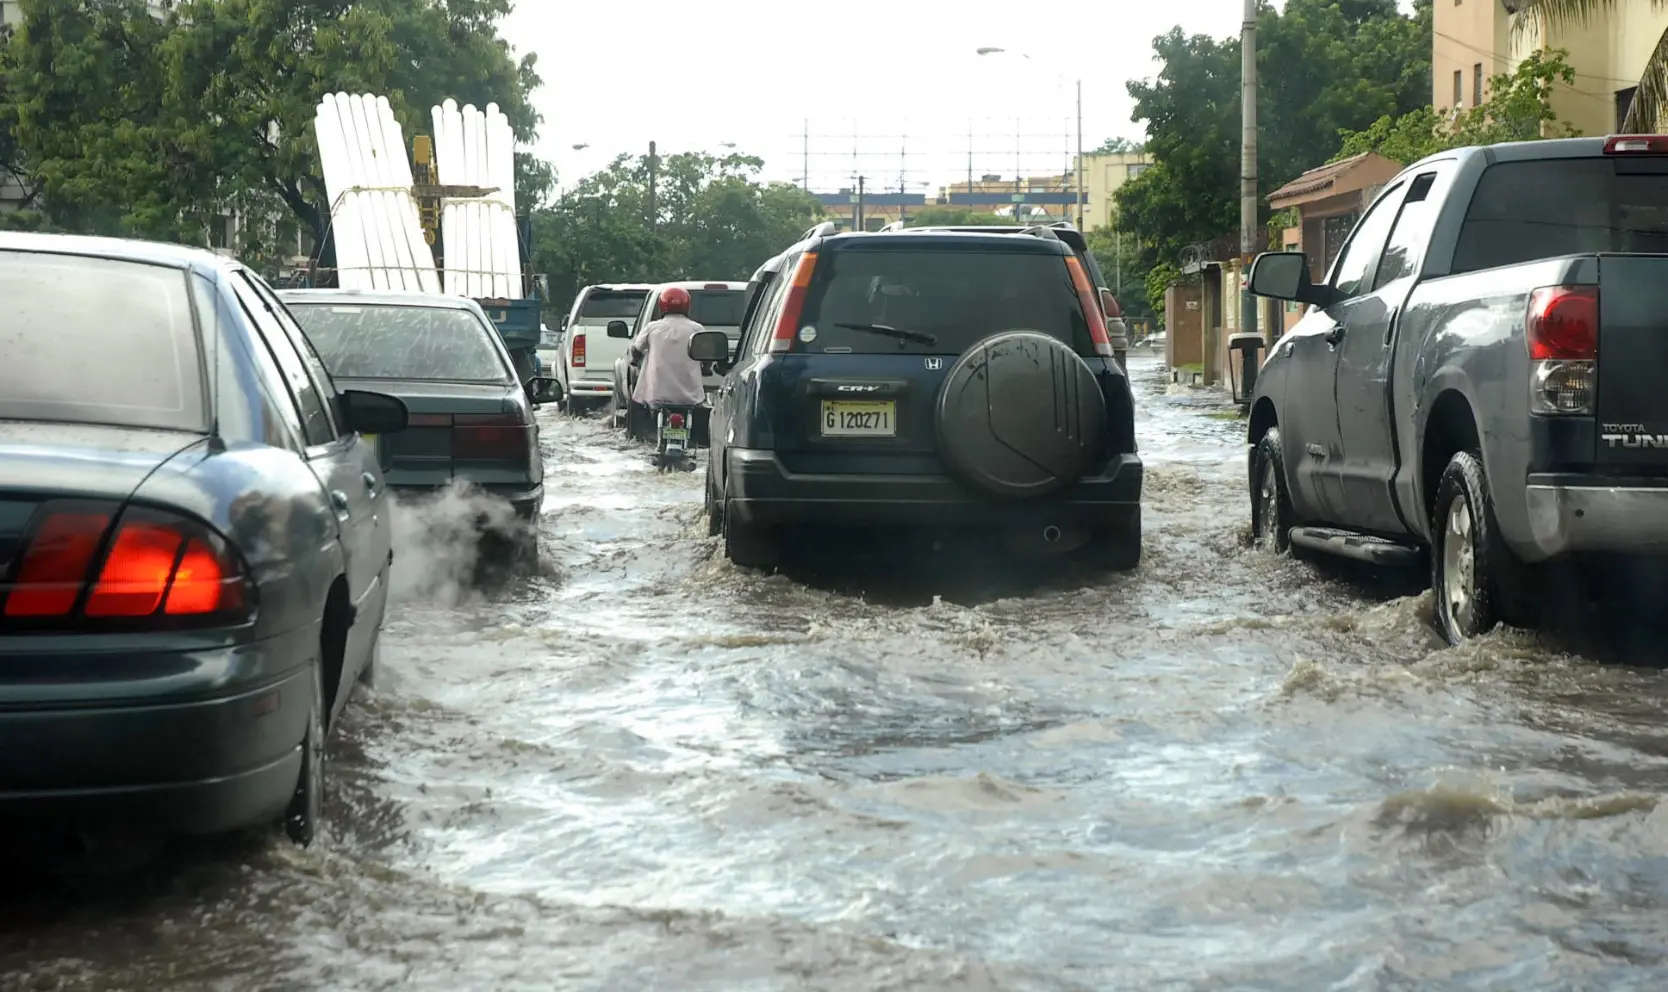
(578, 349)
(1561, 333)
(1091, 307)
(781, 341)
(151, 569)
(1636, 144)
(491, 436)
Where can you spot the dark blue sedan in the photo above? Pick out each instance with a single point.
(194, 543)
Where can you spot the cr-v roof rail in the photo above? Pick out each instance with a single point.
(824, 229)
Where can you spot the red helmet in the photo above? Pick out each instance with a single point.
(675, 300)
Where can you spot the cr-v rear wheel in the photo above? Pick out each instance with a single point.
(748, 545)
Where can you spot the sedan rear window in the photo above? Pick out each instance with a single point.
(887, 302)
(97, 341)
(613, 304)
(401, 342)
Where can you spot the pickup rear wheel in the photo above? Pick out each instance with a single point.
(1271, 501)
(1476, 580)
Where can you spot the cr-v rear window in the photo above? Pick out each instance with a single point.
(613, 304)
(957, 297)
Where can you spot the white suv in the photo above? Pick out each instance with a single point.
(585, 361)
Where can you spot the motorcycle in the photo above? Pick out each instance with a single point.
(674, 450)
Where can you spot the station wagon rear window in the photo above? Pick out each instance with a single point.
(435, 344)
(613, 304)
(956, 297)
(97, 341)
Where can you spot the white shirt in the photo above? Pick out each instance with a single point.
(669, 377)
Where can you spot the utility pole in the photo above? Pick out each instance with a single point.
(805, 151)
(654, 164)
(857, 214)
(1080, 154)
(1248, 166)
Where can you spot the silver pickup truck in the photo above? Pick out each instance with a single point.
(1481, 381)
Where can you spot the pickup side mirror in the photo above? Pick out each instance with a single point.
(1284, 275)
(710, 346)
(619, 329)
(373, 413)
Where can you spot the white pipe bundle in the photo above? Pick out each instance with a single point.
(483, 257)
(374, 220)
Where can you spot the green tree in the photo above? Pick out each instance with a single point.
(1324, 65)
(1119, 146)
(1650, 100)
(712, 219)
(955, 217)
(1518, 108)
(149, 124)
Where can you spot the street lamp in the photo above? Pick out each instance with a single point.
(991, 50)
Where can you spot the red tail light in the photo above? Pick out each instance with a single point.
(676, 420)
(1091, 307)
(1649, 144)
(1563, 323)
(788, 324)
(1561, 332)
(496, 436)
(156, 567)
(578, 350)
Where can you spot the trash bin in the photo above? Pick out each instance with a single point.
(1245, 356)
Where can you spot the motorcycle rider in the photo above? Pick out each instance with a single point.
(669, 377)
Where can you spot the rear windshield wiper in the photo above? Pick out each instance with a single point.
(919, 337)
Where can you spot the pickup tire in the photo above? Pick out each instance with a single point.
(1476, 580)
(1272, 518)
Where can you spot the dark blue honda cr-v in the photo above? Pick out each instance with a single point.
(929, 381)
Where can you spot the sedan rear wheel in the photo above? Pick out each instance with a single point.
(302, 818)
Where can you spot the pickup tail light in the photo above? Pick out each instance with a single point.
(492, 436)
(578, 361)
(1091, 306)
(90, 566)
(1561, 331)
(781, 341)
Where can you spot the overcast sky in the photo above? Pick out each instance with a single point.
(898, 80)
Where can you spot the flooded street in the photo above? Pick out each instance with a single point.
(648, 769)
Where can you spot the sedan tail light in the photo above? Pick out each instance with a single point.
(87, 563)
(495, 436)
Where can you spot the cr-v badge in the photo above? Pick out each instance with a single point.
(935, 363)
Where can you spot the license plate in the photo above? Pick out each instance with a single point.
(675, 433)
(843, 418)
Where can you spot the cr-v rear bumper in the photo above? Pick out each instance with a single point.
(762, 490)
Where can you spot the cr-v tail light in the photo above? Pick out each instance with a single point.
(1561, 331)
(1091, 307)
(781, 341)
(86, 564)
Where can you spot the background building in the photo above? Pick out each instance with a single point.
(1475, 39)
(1102, 176)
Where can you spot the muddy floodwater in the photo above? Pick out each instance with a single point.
(649, 770)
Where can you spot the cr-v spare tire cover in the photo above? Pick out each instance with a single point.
(1020, 414)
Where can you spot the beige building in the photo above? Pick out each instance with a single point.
(1475, 39)
(1102, 175)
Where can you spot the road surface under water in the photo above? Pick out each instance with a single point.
(648, 769)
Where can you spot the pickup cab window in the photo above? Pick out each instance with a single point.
(1530, 210)
(1351, 275)
(1413, 227)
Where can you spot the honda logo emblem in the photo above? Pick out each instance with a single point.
(935, 363)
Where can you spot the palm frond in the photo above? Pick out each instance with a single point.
(1644, 115)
